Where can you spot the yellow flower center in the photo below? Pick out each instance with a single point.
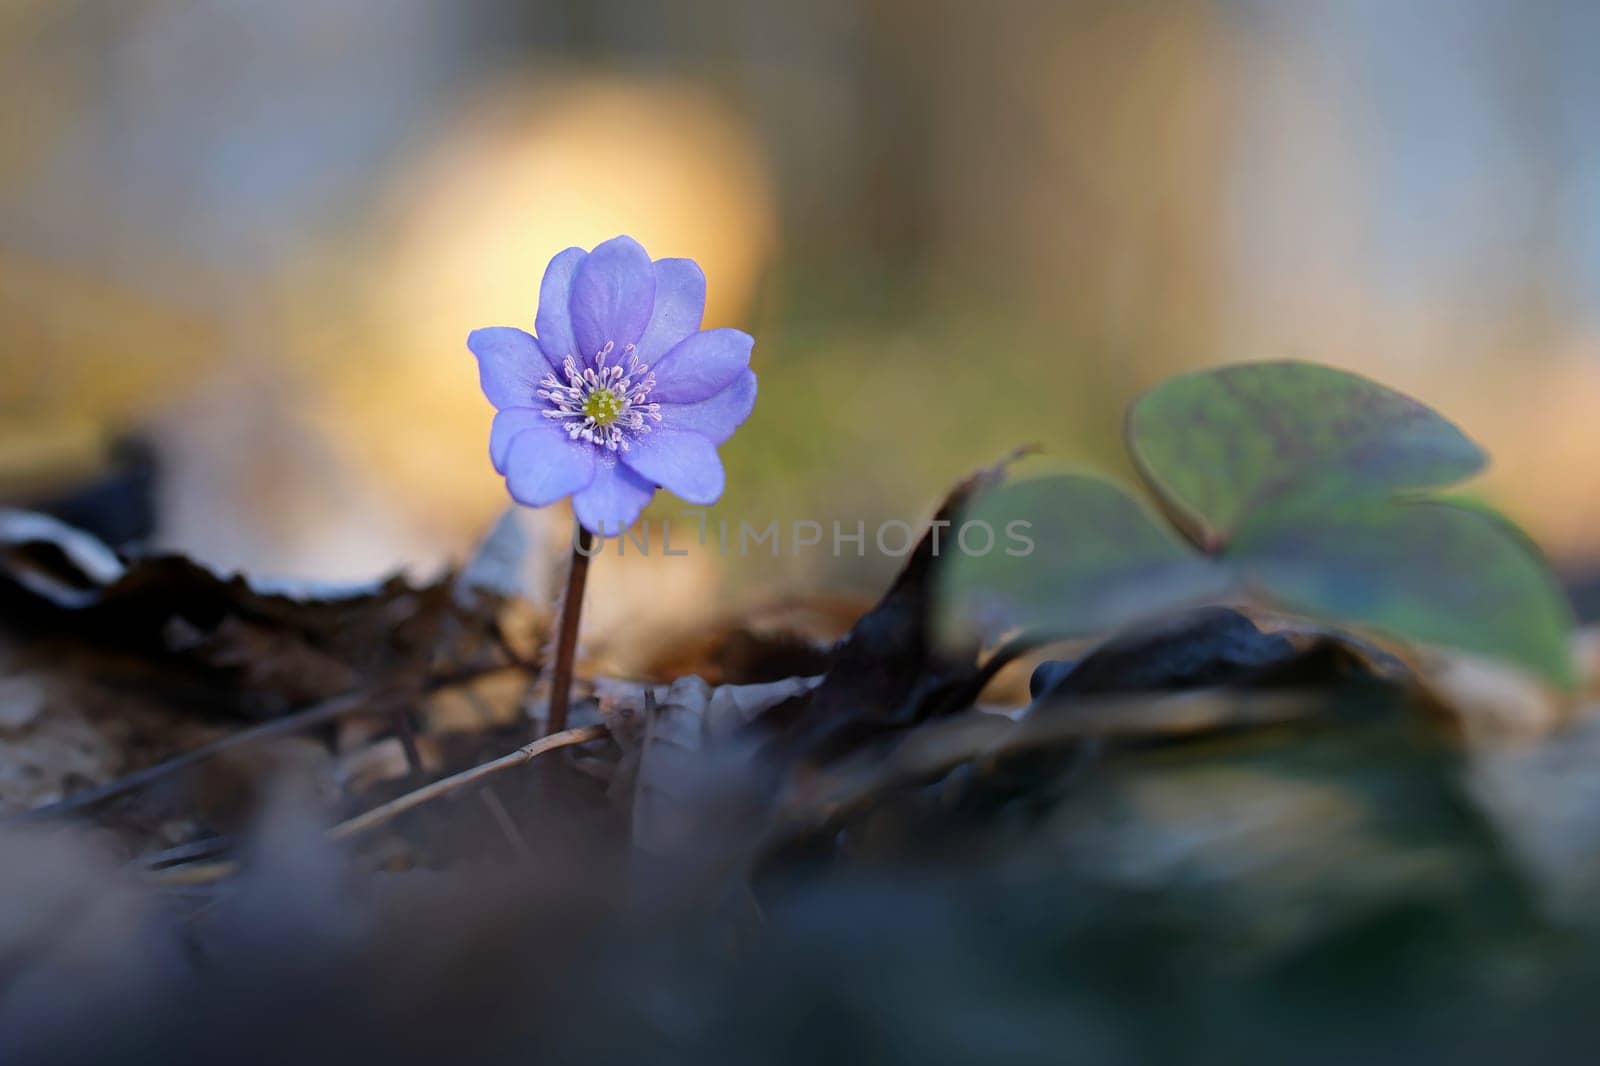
(603, 406)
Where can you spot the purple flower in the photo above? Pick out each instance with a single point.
(620, 392)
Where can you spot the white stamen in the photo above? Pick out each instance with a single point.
(628, 382)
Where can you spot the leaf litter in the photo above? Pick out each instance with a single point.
(1268, 821)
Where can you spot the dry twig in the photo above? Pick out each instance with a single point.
(362, 701)
(361, 823)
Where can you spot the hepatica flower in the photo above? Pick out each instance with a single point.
(621, 391)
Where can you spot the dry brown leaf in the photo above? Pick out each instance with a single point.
(1493, 703)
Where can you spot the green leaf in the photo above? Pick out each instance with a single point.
(1429, 571)
(1098, 561)
(1226, 447)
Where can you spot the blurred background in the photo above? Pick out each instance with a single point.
(242, 242)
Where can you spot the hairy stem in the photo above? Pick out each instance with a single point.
(567, 631)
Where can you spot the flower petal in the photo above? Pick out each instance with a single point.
(679, 461)
(510, 364)
(553, 323)
(507, 424)
(680, 303)
(701, 366)
(613, 293)
(715, 418)
(613, 500)
(544, 465)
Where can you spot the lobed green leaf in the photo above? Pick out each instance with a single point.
(1226, 447)
(1099, 561)
(1428, 571)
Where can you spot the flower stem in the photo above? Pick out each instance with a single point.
(567, 633)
